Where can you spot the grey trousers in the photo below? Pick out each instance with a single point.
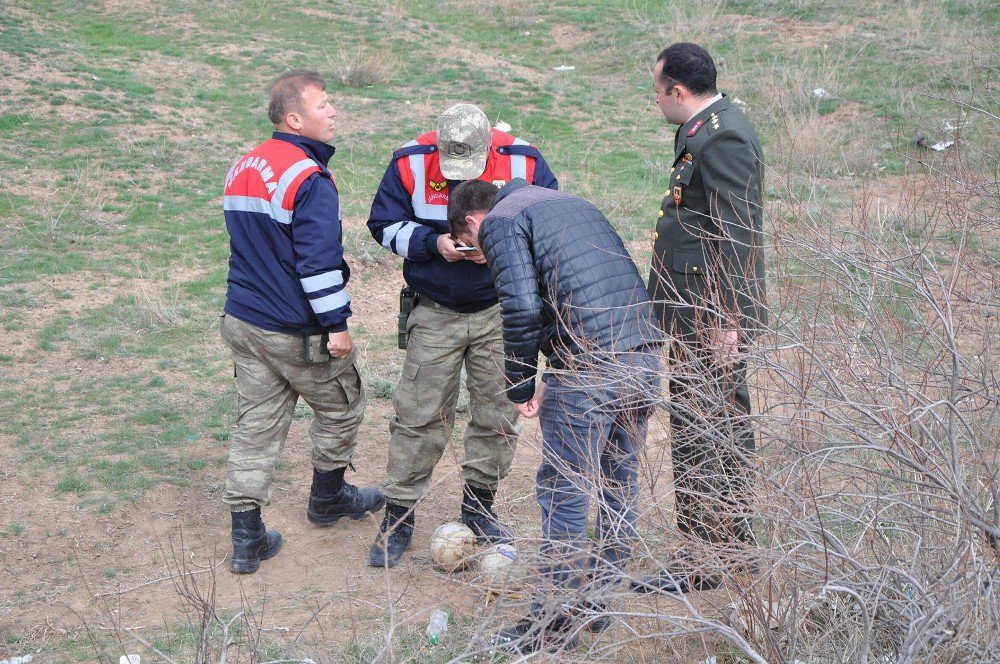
(593, 418)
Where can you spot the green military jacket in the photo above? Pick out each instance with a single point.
(707, 259)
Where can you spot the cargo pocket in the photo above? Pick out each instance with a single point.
(349, 384)
(410, 370)
(338, 387)
(419, 395)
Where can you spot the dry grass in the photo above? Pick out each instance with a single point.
(364, 67)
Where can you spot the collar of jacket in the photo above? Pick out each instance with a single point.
(508, 189)
(680, 139)
(318, 152)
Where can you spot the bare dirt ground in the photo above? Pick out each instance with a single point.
(73, 567)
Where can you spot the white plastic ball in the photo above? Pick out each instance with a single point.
(451, 545)
(497, 563)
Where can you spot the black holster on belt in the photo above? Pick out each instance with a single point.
(314, 350)
(407, 300)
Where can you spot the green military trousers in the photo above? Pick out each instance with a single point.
(271, 375)
(440, 341)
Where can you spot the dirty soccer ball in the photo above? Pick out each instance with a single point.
(497, 563)
(451, 545)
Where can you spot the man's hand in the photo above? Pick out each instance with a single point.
(475, 256)
(446, 247)
(340, 344)
(725, 344)
(531, 407)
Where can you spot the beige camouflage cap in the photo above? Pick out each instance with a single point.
(464, 141)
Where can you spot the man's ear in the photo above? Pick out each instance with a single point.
(293, 120)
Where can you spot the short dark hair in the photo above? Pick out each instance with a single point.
(284, 94)
(468, 197)
(690, 65)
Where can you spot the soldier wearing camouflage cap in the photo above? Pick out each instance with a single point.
(455, 324)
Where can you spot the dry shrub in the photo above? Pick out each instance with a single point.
(674, 21)
(814, 146)
(880, 418)
(363, 68)
(876, 489)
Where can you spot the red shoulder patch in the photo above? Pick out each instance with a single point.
(695, 127)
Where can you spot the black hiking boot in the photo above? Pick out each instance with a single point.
(684, 574)
(536, 634)
(332, 498)
(252, 542)
(594, 615)
(394, 537)
(478, 515)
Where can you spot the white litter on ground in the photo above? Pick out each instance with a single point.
(23, 659)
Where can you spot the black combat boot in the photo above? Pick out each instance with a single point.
(393, 537)
(477, 514)
(332, 498)
(252, 542)
(537, 634)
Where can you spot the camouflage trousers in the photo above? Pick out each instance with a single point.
(270, 377)
(440, 342)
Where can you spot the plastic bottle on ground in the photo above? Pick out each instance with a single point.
(437, 627)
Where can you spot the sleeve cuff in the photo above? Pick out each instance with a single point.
(431, 244)
(339, 327)
(522, 392)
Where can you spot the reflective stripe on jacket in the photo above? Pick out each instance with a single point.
(410, 211)
(286, 268)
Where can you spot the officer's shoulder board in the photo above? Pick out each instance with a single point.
(521, 150)
(407, 150)
(710, 124)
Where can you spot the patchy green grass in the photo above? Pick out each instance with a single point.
(117, 127)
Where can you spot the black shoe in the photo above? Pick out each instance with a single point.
(684, 575)
(595, 616)
(394, 537)
(331, 499)
(478, 515)
(252, 542)
(531, 635)
(676, 582)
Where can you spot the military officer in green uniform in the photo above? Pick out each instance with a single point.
(707, 285)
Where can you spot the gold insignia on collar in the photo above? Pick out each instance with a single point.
(437, 186)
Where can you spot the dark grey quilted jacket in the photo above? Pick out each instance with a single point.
(566, 284)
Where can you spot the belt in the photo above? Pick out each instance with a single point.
(425, 301)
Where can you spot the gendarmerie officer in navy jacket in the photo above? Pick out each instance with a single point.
(286, 319)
